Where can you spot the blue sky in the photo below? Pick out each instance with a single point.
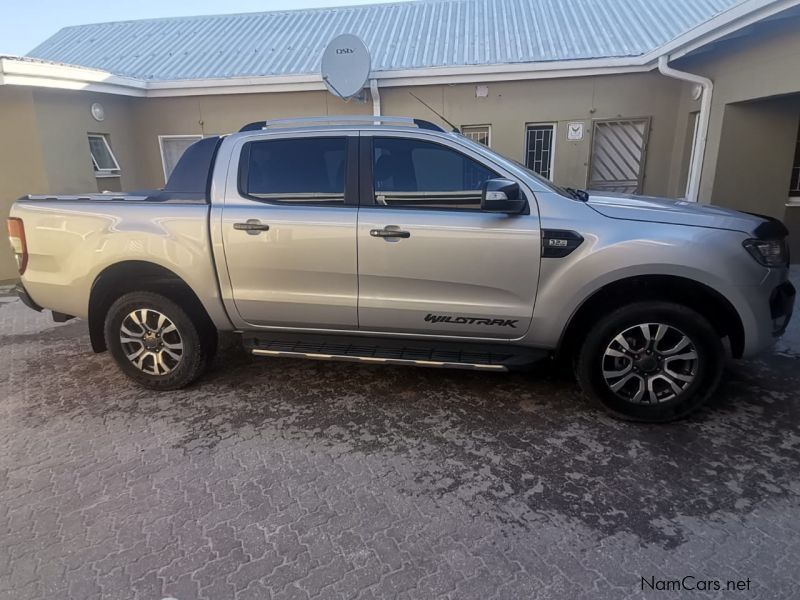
(26, 23)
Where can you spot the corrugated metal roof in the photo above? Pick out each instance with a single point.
(405, 35)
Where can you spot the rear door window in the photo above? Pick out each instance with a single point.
(295, 171)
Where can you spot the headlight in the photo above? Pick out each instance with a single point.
(770, 253)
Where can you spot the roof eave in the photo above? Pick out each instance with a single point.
(51, 75)
(23, 71)
(410, 77)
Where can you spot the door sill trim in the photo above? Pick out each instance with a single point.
(266, 330)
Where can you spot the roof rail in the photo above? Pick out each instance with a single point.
(367, 119)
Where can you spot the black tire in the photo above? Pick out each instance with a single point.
(706, 367)
(197, 342)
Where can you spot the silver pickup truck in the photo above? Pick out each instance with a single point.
(392, 241)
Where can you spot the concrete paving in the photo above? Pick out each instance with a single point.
(275, 478)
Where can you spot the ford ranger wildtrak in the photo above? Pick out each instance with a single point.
(389, 240)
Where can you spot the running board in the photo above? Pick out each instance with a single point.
(379, 360)
(393, 351)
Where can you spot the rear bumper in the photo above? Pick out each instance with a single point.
(23, 295)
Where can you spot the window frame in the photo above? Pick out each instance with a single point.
(185, 136)
(487, 126)
(552, 163)
(98, 172)
(366, 183)
(350, 170)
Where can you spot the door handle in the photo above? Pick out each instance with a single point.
(390, 231)
(252, 226)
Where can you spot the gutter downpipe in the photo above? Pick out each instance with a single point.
(376, 98)
(699, 144)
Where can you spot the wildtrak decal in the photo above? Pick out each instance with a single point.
(471, 320)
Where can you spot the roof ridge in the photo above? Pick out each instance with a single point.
(287, 11)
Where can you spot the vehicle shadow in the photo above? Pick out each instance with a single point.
(527, 441)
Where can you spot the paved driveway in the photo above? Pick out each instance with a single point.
(288, 479)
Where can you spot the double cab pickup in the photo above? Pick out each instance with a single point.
(389, 240)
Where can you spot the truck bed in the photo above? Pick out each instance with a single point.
(73, 239)
(160, 196)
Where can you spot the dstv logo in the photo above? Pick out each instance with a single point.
(345, 51)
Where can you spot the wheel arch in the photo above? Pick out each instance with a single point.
(698, 296)
(138, 276)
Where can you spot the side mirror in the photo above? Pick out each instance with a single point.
(502, 196)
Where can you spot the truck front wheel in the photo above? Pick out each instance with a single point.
(651, 361)
(155, 342)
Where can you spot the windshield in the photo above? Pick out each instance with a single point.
(517, 166)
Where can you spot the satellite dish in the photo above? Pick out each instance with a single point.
(345, 66)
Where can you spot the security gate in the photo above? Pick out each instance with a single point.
(619, 147)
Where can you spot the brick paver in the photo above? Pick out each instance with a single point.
(274, 478)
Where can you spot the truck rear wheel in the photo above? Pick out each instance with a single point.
(155, 342)
(651, 362)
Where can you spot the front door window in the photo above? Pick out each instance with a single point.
(420, 174)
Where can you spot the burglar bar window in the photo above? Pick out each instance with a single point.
(478, 133)
(103, 160)
(539, 149)
(794, 186)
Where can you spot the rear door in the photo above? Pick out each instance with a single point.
(289, 230)
(446, 268)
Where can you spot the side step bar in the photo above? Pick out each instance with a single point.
(392, 351)
(385, 361)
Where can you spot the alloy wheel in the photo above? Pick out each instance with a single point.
(650, 363)
(151, 341)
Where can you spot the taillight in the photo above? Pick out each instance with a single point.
(16, 234)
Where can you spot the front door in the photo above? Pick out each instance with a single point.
(289, 232)
(430, 261)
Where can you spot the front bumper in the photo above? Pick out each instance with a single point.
(781, 306)
(23, 295)
(765, 310)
